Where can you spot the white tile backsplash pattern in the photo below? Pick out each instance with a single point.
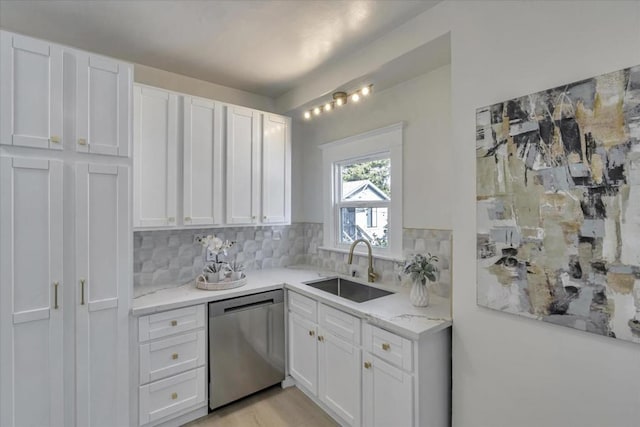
(168, 258)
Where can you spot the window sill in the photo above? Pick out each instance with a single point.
(386, 257)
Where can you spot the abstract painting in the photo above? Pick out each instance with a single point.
(558, 205)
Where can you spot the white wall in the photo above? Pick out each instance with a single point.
(510, 371)
(424, 104)
(179, 83)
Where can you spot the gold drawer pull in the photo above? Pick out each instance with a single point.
(171, 219)
(55, 139)
(174, 356)
(312, 333)
(174, 396)
(320, 338)
(174, 323)
(187, 218)
(367, 365)
(82, 141)
(386, 347)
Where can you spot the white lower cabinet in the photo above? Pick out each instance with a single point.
(364, 375)
(303, 352)
(325, 363)
(387, 398)
(339, 379)
(172, 366)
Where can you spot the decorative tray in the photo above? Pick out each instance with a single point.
(201, 283)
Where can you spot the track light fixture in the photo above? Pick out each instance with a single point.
(338, 100)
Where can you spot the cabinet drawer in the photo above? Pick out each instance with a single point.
(339, 323)
(171, 322)
(169, 396)
(173, 355)
(389, 346)
(304, 306)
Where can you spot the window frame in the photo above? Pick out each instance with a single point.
(380, 143)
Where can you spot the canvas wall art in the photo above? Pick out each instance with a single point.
(558, 205)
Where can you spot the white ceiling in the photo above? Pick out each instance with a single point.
(263, 47)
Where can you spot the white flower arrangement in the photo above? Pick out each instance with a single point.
(217, 247)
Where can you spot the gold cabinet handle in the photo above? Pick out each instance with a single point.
(367, 365)
(82, 141)
(386, 347)
(174, 356)
(187, 218)
(174, 396)
(55, 139)
(82, 291)
(174, 323)
(171, 219)
(55, 295)
(320, 338)
(312, 333)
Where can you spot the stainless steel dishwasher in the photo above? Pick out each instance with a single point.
(246, 345)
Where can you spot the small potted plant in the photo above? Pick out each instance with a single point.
(421, 268)
(236, 270)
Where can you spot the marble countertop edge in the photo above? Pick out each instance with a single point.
(392, 312)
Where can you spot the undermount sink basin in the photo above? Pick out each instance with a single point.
(344, 288)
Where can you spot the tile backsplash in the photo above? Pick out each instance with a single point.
(167, 258)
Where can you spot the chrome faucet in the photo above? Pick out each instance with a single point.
(371, 276)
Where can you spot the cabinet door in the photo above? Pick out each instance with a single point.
(339, 376)
(303, 356)
(202, 196)
(30, 92)
(276, 170)
(387, 394)
(243, 166)
(102, 283)
(103, 105)
(31, 329)
(155, 157)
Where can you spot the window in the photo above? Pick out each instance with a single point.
(363, 191)
(365, 196)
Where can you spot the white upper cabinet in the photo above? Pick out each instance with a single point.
(276, 170)
(31, 305)
(243, 165)
(155, 157)
(102, 288)
(208, 164)
(30, 92)
(103, 105)
(202, 186)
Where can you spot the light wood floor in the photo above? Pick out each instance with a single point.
(273, 407)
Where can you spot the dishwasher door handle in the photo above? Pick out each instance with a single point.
(246, 302)
(248, 306)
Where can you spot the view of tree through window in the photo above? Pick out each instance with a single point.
(365, 199)
(376, 171)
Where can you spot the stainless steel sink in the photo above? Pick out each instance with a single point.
(344, 288)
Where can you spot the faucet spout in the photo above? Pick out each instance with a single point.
(371, 276)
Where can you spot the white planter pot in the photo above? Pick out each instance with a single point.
(419, 295)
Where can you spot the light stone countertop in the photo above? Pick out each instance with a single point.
(392, 312)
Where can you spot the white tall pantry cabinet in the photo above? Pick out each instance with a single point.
(65, 226)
